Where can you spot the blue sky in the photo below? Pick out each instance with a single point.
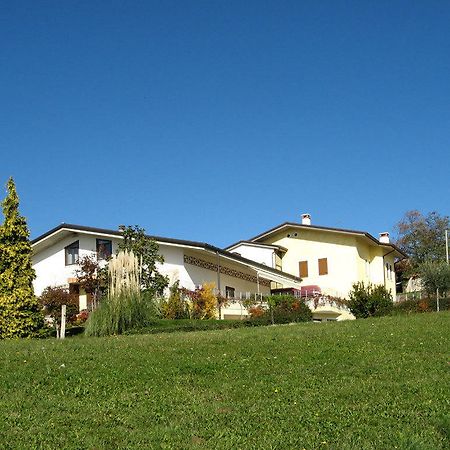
(216, 120)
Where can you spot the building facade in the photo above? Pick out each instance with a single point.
(331, 258)
(56, 255)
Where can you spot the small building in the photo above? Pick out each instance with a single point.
(57, 252)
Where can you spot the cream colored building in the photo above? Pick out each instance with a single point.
(331, 258)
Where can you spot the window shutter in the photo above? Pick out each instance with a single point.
(323, 266)
(303, 267)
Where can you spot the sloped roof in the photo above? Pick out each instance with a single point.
(285, 225)
(164, 240)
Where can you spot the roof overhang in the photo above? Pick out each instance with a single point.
(60, 232)
(363, 234)
(256, 244)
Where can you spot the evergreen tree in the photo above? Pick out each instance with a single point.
(20, 314)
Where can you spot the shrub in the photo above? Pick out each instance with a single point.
(420, 305)
(51, 300)
(175, 307)
(368, 301)
(81, 317)
(116, 315)
(281, 309)
(256, 312)
(204, 302)
(125, 307)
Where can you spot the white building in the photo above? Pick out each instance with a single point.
(56, 253)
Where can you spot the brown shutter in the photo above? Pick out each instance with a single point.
(323, 266)
(303, 266)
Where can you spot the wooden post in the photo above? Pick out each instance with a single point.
(437, 299)
(63, 321)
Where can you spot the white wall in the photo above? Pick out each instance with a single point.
(258, 254)
(51, 270)
(49, 263)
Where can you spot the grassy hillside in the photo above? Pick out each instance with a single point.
(381, 383)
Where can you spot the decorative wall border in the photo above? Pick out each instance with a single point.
(192, 260)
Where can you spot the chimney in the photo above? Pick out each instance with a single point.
(306, 219)
(384, 237)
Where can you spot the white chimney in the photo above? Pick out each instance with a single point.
(306, 219)
(384, 237)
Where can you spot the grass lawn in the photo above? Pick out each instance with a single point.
(380, 384)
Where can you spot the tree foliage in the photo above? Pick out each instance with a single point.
(422, 238)
(52, 298)
(93, 278)
(147, 251)
(369, 300)
(435, 275)
(20, 314)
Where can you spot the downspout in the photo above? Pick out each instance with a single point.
(218, 283)
(218, 271)
(257, 283)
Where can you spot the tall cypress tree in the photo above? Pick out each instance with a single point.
(20, 314)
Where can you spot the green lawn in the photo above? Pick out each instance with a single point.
(381, 383)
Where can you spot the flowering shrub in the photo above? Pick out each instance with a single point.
(203, 302)
(256, 312)
(81, 317)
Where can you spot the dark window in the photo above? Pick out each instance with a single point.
(72, 252)
(229, 292)
(104, 248)
(303, 269)
(323, 266)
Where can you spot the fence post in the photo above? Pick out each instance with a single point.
(437, 299)
(63, 322)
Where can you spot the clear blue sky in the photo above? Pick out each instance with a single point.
(216, 120)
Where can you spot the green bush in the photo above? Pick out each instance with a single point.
(175, 307)
(369, 301)
(420, 305)
(118, 314)
(282, 309)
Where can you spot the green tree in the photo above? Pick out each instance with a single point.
(20, 313)
(147, 251)
(422, 238)
(435, 276)
(368, 301)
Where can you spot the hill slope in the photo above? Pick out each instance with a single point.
(379, 383)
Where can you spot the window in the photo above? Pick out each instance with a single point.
(72, 252)
(104, 248)
(389, 272)
(367, 268)
(229, 292)
(323, 266)
(303, 269)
